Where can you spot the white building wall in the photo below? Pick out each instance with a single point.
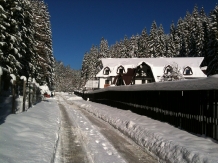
(102, 82)
(138, 82)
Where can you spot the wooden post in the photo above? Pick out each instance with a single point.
(30, 92)
(13, 85)
(24, 92)
(34, 91)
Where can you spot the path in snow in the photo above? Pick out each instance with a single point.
(69, 148)
(102, 143)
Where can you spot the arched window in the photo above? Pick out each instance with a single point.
(120, 70)
(106, 71)
(168, 69)
(187, 71)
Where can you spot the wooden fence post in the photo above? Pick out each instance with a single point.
(24, 92)
(34, 91)
(13, 83)
(30, 91)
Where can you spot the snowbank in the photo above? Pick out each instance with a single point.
(170, 144)
(31, 136)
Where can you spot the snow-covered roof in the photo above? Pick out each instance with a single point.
(209, 83)
(156, 64)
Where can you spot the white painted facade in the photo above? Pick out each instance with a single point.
(157, 65)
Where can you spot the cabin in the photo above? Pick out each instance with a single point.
(130, 71)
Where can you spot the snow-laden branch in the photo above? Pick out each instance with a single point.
(23, 78)
(13, 78)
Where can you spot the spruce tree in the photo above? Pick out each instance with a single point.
(143, 44)
(104, 49)
(213, 43)
(153, 39)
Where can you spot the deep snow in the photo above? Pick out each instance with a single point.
(31, 136)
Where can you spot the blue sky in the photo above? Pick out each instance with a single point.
(79, 24)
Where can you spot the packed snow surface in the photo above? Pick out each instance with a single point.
(31, 136)
(97, 147)
(170, 144)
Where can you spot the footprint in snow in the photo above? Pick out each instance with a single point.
(109, 153)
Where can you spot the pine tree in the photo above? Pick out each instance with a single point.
(172, 42)
(161, 42)
(133, 46)
(43, 49)
(153, 39)
(11, 35)
(143, 44)
(104, 49)
(126, 48)
(213, 43)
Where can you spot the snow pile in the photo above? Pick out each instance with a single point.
(31, 136)
(170, 144)
(44, 89)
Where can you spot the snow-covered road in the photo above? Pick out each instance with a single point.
(97, 141)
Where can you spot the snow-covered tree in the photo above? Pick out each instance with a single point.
(133, 47)
(104, 49)
(171, 73)
(213, 43)
(153, 39)
(66, 78)
(43, 58)
(172, 42)
(143, 44)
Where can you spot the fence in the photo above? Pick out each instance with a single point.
(190, 105)
(25, 93)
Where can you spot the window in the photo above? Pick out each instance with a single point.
(168, 69)
(120, 70)
(187, 71)
(106, 71)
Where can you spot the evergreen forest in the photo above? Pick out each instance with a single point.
(26, 40)
(195, 35)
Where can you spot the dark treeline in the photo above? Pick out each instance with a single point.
(196, 35)
(25, 40)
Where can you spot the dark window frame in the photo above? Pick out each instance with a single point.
(119, 70)
(167, 69)
(106, 71)
(185, 71)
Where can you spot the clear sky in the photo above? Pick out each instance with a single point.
(79, 24)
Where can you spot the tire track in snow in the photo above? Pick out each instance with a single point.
(70, 148)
